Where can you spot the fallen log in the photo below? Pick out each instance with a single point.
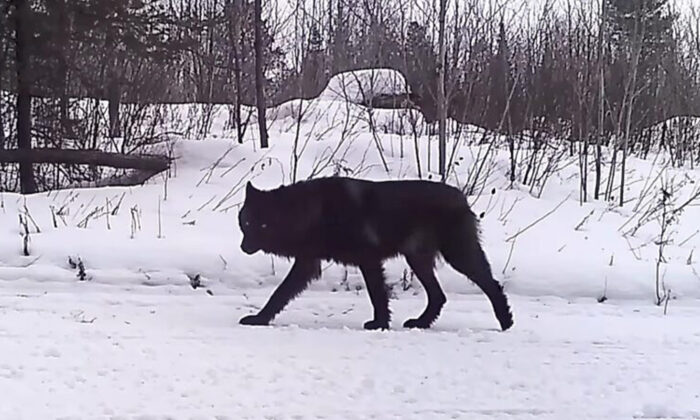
(144, 166)
(87, 157)
(388, 101)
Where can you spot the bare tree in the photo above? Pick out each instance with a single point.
(24, 96)
(441, 101)
(601, 99)
(4, 51)
(259, 76)
(235, 39)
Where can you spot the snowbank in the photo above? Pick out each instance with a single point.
(362, 85)
(175, 229)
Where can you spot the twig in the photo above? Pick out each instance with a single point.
(510, 254)
(504, 214)
(629, 244)
(689, 238)
(30, 218)
(115, 210)
(521, 231)
(107, 213)
(25, 234)
(160, 224)
(585, 219)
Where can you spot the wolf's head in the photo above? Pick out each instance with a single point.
(257, 219)
(278, 221)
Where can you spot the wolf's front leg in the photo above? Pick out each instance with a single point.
(373, 273)
(298, 278)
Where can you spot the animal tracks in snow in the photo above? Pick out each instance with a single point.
(183, 356)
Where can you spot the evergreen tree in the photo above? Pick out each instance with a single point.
(647, 22)
(642, 39)
(314, 76)
(420, 67)
(500, 85)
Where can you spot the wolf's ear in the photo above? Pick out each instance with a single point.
(250, 189)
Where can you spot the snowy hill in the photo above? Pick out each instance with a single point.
(173, 229)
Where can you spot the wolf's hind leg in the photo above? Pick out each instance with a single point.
(297, 280)
(423, 266)
(468, 258)
(373, 273)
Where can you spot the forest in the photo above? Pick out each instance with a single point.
(79, 74)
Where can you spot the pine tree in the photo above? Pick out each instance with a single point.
(313, 67)
(420, 67)
(121, 33)
(641, 37)
(500, 85)
(649, 22)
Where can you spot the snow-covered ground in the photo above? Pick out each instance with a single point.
(92, 351)
(133, 339)
(176, 228)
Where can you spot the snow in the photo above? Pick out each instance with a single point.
(135, 340)
(361, 85)
(108, 352)
(171, 230)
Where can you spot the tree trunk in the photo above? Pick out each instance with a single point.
(3, 51)
(62, 70)
(112, 84)
(240, 128)
(259, 76)
(24, 96)
(639, 35)
(234, 40)
(114, 100)
(442, 106)
(62, 66)
(601, 103)
(3, 56)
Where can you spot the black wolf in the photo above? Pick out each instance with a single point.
(362, 223)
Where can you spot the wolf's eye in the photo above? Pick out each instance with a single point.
(264, 225)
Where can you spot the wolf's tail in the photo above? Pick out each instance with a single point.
(461, 249)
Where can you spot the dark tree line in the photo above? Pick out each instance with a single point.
(603, 73)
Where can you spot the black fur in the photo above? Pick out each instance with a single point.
(363, 223)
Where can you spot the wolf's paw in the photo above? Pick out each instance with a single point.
(376, 325)
(416, 323)
(253, 320)
(506, 322)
